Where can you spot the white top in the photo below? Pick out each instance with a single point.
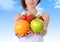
(32, 37)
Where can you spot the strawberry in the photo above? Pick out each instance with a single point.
(41, 18)
(30, 17)
(23, 17)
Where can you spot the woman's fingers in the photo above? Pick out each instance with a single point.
(37, 33)
(43, 32)
(20, 36)
(16, 34)
(26, 34)
(29, 31)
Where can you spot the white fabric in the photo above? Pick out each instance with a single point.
(32, 37)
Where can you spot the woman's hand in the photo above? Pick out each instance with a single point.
(37, 33)
(45, 18)
(16, 18)
(20, 36)
(43, 32)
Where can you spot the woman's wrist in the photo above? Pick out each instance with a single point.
(43, 32)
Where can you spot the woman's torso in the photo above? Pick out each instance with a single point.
(32, 37)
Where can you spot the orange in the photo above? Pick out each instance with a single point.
(21, 27)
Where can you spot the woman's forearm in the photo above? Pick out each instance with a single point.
(16, 17)
(43, 32)
(46, 21)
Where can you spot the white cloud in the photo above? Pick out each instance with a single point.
(57, 6)
(7, 4)
(56, 3)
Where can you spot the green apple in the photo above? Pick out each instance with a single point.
(36, 25)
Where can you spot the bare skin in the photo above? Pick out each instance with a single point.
(16, 17)
(31, 6)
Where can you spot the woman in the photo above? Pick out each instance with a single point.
(30, 8)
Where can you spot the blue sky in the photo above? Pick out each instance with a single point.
(10, 7)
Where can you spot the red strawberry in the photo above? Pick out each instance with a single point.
(24, 17)
(41, 18)
(30, 17)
